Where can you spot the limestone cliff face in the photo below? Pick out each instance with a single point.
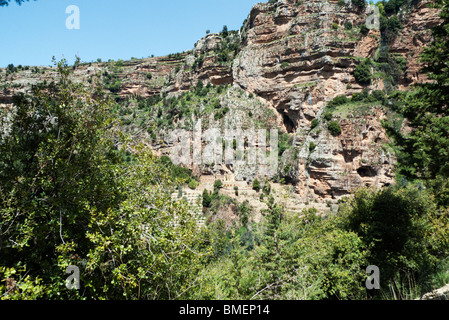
(411, 39)
(299, 56)
(290, 58)
(338, 165)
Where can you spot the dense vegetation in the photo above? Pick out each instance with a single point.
(74, 190)
(68, 197)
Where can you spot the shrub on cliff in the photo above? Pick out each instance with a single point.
(337, 101)
(360, 4)
(256, 185)
(362, 73)
(334, 128)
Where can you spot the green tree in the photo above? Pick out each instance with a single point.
(256, 185)
(362, 72)
(6, 2)
(397, 226)
(360, 4)
(337, 101)
(57, 158)
(68, 198)
(147, 248)
(193, 184)
(224, 33)
(330, 262)
(218, 184)
(206, 199)
(270, 252)
(334, 128)
(424, 151)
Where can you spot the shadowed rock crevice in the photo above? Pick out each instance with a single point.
(367, 171)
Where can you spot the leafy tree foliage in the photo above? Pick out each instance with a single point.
(362, 72)
(392, 6)
(4, 3)
(360, 4)
(334, 128)
(256, 185)
(425, 150)
(68, 198)
(206, 198)
(396, 225)
(291, 257)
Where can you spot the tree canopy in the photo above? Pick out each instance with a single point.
(4, 3)
(424, 151)
(67, 197)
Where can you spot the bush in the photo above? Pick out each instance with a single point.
(221, 113)
(334, 128)
(337, 101)
(362, 73)
(314, 124)
(327, 116)
(360, 96)
(361, 4)
(206, 199)
(218, 184)
(11, 68)
(379, 95)
(283, 143)
(193, 184)
(392, 24)
(312, 146)
(364, 29)
(114, 87)
(256, 185)
(392, 6)
(348, 25)
(176, 172)
(266, 188)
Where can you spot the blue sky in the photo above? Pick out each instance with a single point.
(110, 29)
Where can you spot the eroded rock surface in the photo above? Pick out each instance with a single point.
(290, 59)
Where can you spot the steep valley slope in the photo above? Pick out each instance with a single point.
(280, 71)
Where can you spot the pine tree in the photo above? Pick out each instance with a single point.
(271, 251)
(206, 199)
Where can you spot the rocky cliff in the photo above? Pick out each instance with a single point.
(289, 59)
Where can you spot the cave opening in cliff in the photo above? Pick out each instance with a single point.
(367, 171)
(289, 124)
